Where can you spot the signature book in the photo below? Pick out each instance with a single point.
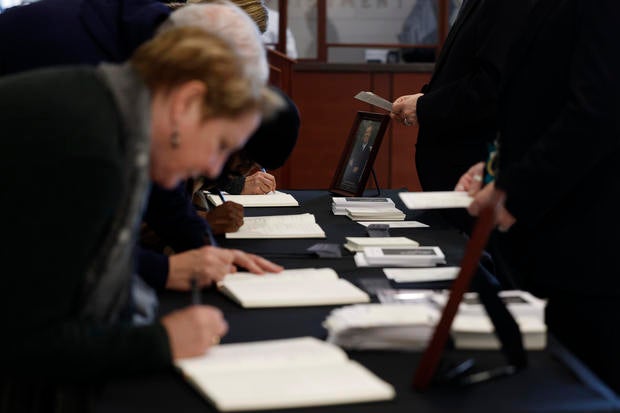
(272, 199)
(279, 226)
(274, 374)
(291, 288)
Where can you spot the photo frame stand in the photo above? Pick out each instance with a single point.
(506, 328)
(359, 154)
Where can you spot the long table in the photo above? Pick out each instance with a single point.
(554, 380)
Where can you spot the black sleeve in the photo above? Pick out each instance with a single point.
(172, 216)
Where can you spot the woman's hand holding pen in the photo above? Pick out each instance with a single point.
(472, 182)
(259, 183)
(193, 330)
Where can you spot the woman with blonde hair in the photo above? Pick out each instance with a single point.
(178, 109)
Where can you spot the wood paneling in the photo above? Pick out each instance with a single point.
(327, 108)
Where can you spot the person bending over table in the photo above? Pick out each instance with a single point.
(97, 30)
(162, 116)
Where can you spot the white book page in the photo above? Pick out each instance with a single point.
(436, 199)
(279, 226)
(374, 100)
(382, 241)
(293, 386)
(300, 274)
(259, 355)
(271, 199)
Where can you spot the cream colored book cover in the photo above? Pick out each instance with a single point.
(297, 372)
(291, 288)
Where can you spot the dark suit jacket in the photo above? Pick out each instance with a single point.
(63, 32)
(558, 163)
(49, 252)
(457, 114)
(560, 145)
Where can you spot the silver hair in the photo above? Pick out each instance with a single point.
(231, 23)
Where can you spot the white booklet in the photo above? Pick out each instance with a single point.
(404, 256)
(276, 374)
(279, 226)
(375, 214)
(291, 288)
(272, 199)
(374, 100)
(405, 275)
(340, 204)
(435, 199)
(358, 243)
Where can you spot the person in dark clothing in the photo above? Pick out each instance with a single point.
(457, 110)
(112, 128)
(556, 175)
(96, 31)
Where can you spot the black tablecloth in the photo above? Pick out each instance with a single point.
(547, 384)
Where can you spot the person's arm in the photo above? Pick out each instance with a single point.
(173, 218)
(152, 267)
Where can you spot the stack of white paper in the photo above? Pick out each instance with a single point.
(472, 328)
(358, 243)
(435, 199)
(279, 226)
(406, 320)
(272, 199)
(409, 275)
(276, 374)
(291, 288)
(375, 214)
(382, 326)
(400, 257)
(340, 204)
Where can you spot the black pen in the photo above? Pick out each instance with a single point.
(196, 298)
(489, 374)
(221, 195)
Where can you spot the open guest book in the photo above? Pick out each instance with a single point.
(276, 374)
(291, 288)
(272, 199)
(279, 226)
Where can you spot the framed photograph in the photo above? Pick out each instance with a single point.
(359, 154)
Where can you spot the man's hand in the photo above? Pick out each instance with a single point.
(404, 109)
(254, 263)
(227, 217)
(487, 196)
